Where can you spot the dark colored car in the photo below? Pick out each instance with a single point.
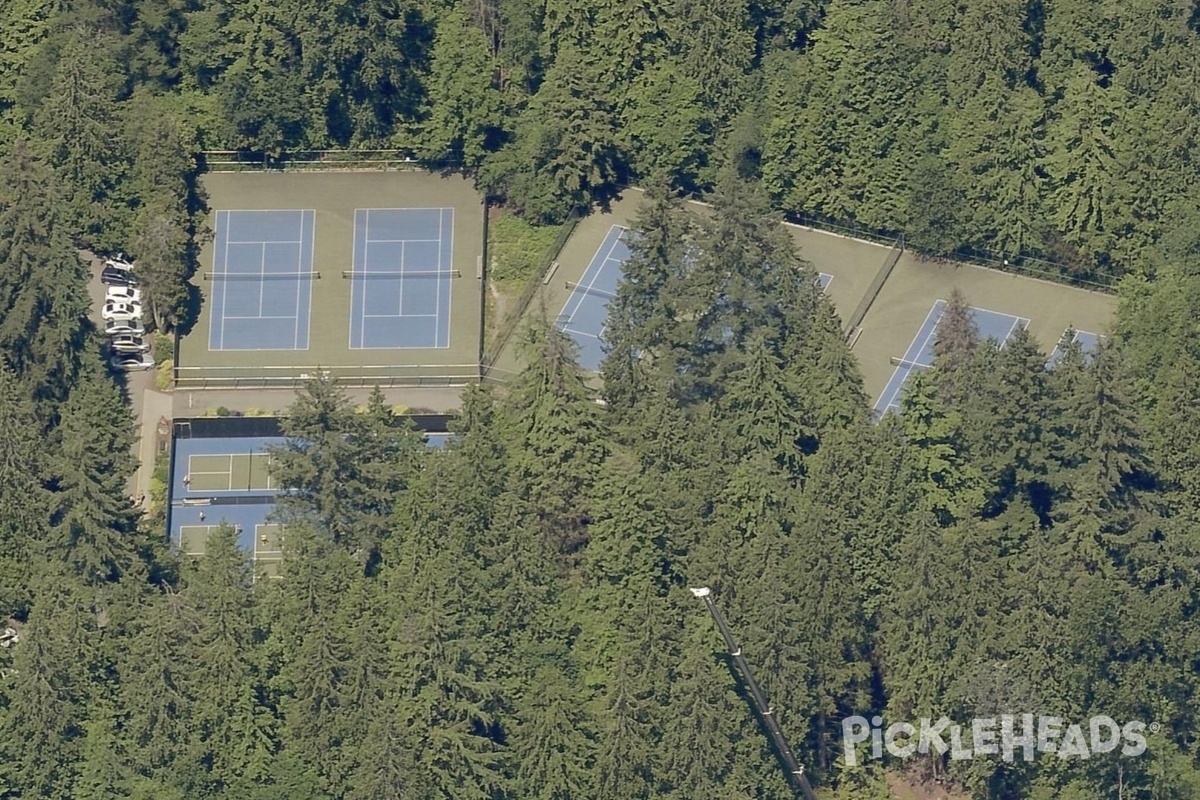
(118, 277)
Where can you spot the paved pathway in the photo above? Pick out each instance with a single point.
(193, 403)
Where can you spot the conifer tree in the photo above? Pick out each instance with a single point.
(1103, 518)
(24, 501)
(42, 728)
(955, 345)
(558, 437)
(42, 300)
(229, 735)
(467, 113)
(153, 679)
(311, 632)
(951, 486)
(75, 126)
(93, 528)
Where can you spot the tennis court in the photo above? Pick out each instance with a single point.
(261, 280)
(221, 480)
(584, 316)
(229, 472)
(401, 282)
(991, 324)
(1088, 342)
(585, 313)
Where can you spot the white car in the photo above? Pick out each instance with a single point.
(129, 344)
(118, 262)
(123, 294)
(116, 327)
(129, 362)
(126, 312)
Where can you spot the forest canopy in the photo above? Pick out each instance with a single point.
(510, 617)
(1061, 133)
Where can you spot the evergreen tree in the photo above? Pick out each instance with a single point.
(93, 526)
(79, 135)
(24, 501)
(153, 678)
(466, 119)
(952, 487)
(1080, 159)
(565, 152)
(558, 437)
(42, 300)
(955, 345)
(230, 736)
(42, 728)
(1102, 517)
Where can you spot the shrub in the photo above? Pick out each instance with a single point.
(164, 377)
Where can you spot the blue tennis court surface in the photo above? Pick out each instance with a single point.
(224, 480)
(401, 278)
(261, 281)
(991, 325)
(585, 313)
(1088, 342)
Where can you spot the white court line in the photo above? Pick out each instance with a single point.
(604, 263)
(299, 262)
(932, 335)
(400, 288)
(284, 316)
(582, 333)
(271, 241)
(362, 323)
(308, 242)
(230, 489)
(393, 241)
(354, 282)
(449, 258)
(437, 303)
(399, 316)
(259, 536)
(262, 278)
(224, 284)
(910, 357)
(1013, 327)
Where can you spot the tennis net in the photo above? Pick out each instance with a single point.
(261, 276)
(579, 287)
(429, 273)
(910, 365)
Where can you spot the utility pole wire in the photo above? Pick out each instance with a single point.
(782, 748)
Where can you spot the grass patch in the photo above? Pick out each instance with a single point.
(517, 250)
(518, 254)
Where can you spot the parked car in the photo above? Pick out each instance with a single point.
(129, 362)
(114, 310)
(126, 343)
(123, 294)
(116, 327)
(118, 277)
(118, 262)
